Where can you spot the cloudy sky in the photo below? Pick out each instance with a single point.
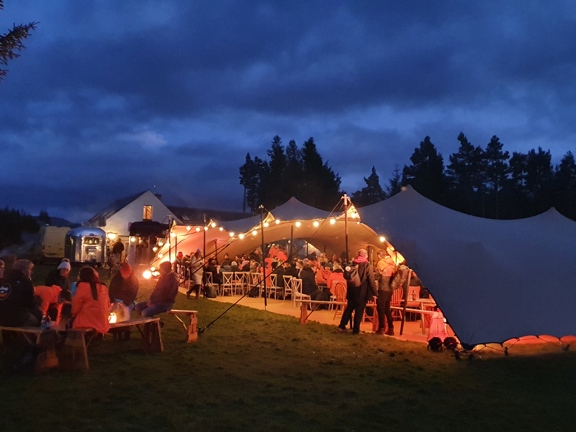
(111, 98)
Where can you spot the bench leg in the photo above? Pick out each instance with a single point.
(152, 337)
(303, 313)
(192, 328)
(75, 343)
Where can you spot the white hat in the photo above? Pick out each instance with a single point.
(64, 265)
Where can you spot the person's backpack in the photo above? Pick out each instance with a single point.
(351, 275)
(398, 278)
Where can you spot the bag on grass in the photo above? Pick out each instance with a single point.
(210, 291)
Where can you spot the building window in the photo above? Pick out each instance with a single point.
(147, 212)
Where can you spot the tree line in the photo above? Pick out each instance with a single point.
(481, 181)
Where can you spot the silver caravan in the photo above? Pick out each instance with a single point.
(86, 245)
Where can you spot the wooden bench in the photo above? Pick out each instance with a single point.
(77, 340)
(191, 329)
(150, 330)
(36, 337)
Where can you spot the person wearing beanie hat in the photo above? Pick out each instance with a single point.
(59, 276)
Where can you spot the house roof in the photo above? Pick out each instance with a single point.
(115, 207)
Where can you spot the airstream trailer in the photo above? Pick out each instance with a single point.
(86, 245)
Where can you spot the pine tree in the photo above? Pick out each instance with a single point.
(426, 174)
(466, 173)
(11, 42)
(497, 170)
(565, 186)
(395, 182)
(371, 193)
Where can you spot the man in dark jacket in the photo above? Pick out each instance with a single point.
(164, 294)
(124, 286)
(358, 296)
(17, 307)
(308, 279)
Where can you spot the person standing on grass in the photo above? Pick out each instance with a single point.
(357, 297)
(386, 267)
(117, 251)
(196, 273)
(164, 294)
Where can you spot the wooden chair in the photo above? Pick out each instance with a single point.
(272, 286)
(396, 300)
(244, 277)
(208, 281)
(227, 283)
(339, 290)
(287, 286)
(297, 291)
(256, 281)
(238, 283)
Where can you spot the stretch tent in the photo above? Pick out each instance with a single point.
(292, 220)
(296, 220)
(493, 279)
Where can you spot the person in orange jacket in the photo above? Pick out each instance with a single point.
(51, 300)
(90, 304)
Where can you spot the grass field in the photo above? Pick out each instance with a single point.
(255, 371)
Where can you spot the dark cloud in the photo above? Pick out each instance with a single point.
(112, 98)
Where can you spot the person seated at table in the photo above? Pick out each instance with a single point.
(226, 261)
(90, 304)
(243, 262)
(17, 306)
(164, 294)
(234, 267)
(308, 279)
(59, 276)
(322, 275)
(51, 302)
(290, 269)
(336, 275)
(280, 270)
(124, 286)
(212, 268)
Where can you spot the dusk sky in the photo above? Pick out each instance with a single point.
(110, 98)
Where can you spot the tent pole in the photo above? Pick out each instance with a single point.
(291, 242)
(263, 260)
(346, 204)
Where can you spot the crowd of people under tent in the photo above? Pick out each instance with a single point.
(317, 271)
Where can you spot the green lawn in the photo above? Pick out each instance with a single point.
(256, 371)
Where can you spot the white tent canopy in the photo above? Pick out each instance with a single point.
(296, 220)
(493, 279)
